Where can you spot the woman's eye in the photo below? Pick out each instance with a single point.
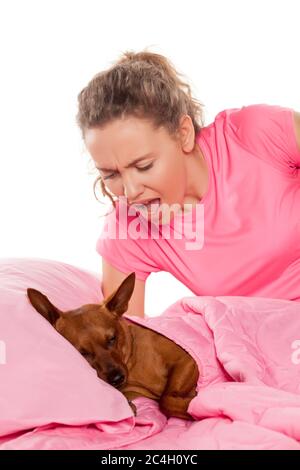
(146, 167)
(139, 169)
(109, 176)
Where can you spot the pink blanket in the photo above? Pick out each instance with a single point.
(247, 350)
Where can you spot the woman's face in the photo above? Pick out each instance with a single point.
(161, 169)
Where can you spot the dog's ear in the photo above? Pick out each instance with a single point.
(43, 305)
(118, 301)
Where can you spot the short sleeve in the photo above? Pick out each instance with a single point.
(125, 253)
(268, 131)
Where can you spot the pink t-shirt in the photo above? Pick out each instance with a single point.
(251, 230)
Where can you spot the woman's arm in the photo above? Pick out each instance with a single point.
(112, 278)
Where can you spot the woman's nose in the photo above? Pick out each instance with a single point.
(132, 189)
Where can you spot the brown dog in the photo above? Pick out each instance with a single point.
(132, 358)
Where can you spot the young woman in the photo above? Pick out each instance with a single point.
(145, 134)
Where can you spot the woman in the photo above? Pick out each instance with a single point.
(145, 134)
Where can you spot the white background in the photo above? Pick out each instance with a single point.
(233, 53)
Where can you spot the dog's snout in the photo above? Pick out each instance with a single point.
(116, 378)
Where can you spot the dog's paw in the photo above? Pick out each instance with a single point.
(133, 407)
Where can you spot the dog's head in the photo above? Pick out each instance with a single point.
(94, 330)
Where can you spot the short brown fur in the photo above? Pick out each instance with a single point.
(135, 359)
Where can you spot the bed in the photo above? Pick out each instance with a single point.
(52, 399)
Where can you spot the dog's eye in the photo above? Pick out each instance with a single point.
(85, 353)
(111, 340)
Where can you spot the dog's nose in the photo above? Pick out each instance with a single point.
(116, 378)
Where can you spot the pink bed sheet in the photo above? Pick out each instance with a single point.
(247, 349)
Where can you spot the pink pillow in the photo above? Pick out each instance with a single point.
(44, 379)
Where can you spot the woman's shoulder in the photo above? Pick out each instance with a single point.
(265, 130)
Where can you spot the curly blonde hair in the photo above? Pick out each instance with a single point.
(140, 84)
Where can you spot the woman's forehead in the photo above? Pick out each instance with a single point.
(129, 129)
(122, 145)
